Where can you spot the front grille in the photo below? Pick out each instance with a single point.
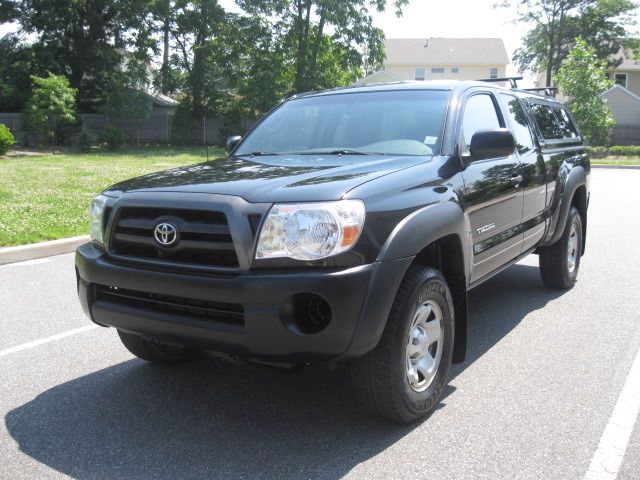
(218, 312)
(205, 238)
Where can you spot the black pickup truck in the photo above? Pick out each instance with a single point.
(347, 225)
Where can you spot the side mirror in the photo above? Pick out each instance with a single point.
(492, 144)
(232, 142)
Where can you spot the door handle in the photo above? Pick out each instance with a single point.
(517, 180)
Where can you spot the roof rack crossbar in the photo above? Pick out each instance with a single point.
(513, 81)
(548, 91)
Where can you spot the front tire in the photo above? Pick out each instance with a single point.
(559, 263)
(404, 376)
(155, 352)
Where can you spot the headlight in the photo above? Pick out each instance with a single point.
(95, 218)
(310, 231)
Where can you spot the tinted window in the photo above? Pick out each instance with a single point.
(420, 73)
(565, 123)
(392, 122)
(519, 123)
(479, 114)
(546, 121)
(554, 122)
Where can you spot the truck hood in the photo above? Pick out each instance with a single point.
(284, 178)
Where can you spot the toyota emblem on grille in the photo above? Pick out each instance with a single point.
(165, 234)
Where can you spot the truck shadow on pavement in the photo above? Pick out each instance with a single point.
(215, 420)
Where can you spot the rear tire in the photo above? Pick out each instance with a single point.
(404, 376)
(560, 262)
(155, 352)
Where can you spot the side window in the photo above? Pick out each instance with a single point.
(519, 123)
(566, 125)
(546, 121)
(479, 114)
(554, 122)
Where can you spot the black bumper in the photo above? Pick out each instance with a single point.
(360, 299)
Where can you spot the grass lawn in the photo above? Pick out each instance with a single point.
(613, 160)
(47, 197)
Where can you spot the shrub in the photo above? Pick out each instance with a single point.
(6, 139)
(625, 150)
(114, 137)
(597, 152)
(83, 139)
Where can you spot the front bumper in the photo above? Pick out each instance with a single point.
(360, 299)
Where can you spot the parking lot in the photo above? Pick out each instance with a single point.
(543, 374)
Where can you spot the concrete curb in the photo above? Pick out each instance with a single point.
(624, 167)
(40, 250)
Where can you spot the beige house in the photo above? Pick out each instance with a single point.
(624, 97)
(627, 72)
(624, 105)
(441, 58)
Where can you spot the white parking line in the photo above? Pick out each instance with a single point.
(607, 459)
(42, 341)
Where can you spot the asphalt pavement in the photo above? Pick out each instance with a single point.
(544, 372)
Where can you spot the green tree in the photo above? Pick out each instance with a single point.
(197, 25)
(50, 108)
(17, 64)
(582, 78)
(554, 25)
(306, 23)
(84, 39)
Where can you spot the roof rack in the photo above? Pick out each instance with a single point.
(548, 91)
(513, 81)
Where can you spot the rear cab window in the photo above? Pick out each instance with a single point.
(554, 123)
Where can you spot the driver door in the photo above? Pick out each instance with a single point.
(492, 192)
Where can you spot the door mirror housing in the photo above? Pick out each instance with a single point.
(232, 142)
(492, 144)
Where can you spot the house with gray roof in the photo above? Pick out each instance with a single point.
(623, 98)
(441, 58)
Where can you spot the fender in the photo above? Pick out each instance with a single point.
(425, 226)
(415, 232)
(575, 178)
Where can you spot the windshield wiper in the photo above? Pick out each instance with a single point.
(346, 151)
(262, 154)
(340, 151)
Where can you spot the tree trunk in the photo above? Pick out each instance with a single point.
(303, 40)
(550, 55)
(313, 61)
(165, 56)
(198, 59)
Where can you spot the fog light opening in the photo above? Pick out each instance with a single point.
(306, 313)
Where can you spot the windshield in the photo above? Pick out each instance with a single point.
(387, 123)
